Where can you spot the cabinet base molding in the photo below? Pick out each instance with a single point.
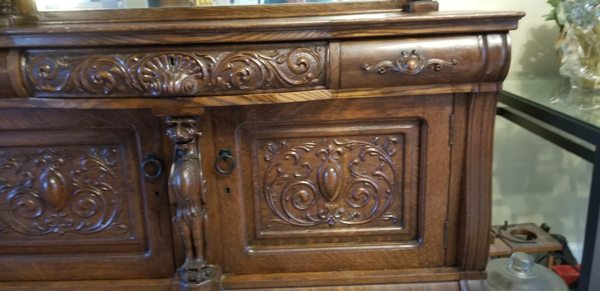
(93, 285)
(446, 286)
(341, 278)
(173, 284)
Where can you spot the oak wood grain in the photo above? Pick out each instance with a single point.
(257, 30)
(387, 287)
(193, 105)
(341, 278)
(358, 136)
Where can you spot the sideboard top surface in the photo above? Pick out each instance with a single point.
(344, 26)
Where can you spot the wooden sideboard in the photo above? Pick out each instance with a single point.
(317, 145)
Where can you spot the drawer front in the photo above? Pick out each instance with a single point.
(73, 203)
(176, 71)
(335, 185)
(422, 61)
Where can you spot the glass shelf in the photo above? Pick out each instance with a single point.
(555, 93)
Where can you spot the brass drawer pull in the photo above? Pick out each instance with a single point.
(409, 63)
(152, 167)
(224, 163)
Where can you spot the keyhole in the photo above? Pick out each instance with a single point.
(172, 61)
(227, 191)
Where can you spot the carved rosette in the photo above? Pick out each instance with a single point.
(43, 193)
(173, 73)
(409, 63)
(350, 182)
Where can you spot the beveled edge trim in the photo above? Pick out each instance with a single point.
(441, 274)
(28, 8)
(191, 104)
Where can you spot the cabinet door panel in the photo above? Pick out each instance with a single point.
(73, 203)
(333, 185)
(348, 180)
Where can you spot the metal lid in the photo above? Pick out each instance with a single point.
(521, 273)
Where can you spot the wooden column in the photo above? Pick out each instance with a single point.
(187, 185)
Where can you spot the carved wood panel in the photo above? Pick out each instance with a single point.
(324, 185)
(72, 196)
(47, 191)
(174, 72)
(335, 185)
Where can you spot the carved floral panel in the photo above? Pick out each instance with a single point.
(331, 184)
(178, 72)
(62, 192)
(332, 181)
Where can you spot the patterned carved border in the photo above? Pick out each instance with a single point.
(182, 72)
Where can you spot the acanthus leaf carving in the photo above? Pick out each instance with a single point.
(58, 200)
(174, 73)
(355, 181)
(409, 63)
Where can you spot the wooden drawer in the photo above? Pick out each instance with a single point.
(173, 71)
(419, 61)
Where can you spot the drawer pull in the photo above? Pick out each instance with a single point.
(409, 63)
(225, 163)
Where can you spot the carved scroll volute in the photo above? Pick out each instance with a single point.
(409, 63)
(188, 186)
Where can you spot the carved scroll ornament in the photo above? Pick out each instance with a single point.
(350, 182)
(409, 63)
(173, 73)
(43, 193)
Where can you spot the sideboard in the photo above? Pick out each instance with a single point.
(301, 146)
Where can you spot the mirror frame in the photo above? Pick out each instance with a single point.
(25, 11)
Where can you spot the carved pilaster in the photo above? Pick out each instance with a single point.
(187, 186)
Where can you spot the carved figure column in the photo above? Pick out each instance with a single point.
(187, 185)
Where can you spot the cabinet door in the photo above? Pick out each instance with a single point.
(73, 201)
(335, 185)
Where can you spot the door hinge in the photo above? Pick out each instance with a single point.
(446, 234)
(452, 125)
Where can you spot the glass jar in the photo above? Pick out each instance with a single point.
(521, 273)
(579, 46)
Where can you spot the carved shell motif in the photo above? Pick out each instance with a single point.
(173, 73)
